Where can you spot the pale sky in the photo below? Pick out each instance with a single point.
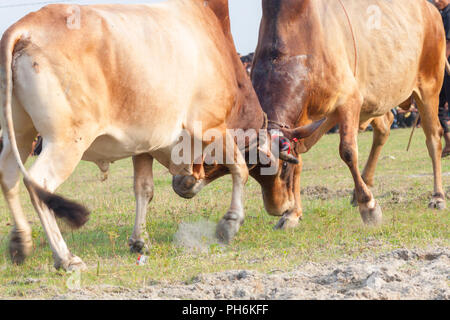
(245, 16)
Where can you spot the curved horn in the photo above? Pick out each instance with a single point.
(302, 132)
(285, 151)
(288, 157)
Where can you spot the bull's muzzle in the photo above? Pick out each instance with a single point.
(187, 186)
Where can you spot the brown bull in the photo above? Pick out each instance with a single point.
(351, 62)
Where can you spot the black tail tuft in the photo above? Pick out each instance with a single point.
(75, 214)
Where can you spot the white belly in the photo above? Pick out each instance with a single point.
(120, 145)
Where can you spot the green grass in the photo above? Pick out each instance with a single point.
(331, 228)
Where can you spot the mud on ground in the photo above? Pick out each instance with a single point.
(390, 197)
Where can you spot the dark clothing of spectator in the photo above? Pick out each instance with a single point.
(406, 122)
(443, 98)
(446, 19)
(37, 146)
(445, 92)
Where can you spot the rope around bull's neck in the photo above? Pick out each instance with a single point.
(353, 35)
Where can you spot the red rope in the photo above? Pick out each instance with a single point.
(353, 35)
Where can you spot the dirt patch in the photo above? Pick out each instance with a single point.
(390, 197)
(324, 193)
(424, 175)
(407, 196)
(400, 274)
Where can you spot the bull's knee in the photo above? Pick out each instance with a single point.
(146, 189)
(347, 153)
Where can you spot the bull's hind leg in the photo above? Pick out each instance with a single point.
(349, 124)
(381, 131)
(20, 245)
(428, 108)
(143, 191)
(54, 165)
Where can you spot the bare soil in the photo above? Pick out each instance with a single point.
(399, 274)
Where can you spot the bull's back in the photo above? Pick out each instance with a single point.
(386, 43)
(143, 67)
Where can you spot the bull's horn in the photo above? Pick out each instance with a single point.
(288, 157)
(302, 132)
(268, 154)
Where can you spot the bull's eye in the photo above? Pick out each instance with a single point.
(284, 170)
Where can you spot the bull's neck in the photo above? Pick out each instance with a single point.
(246, 112)
(286, 116)
(301, 41)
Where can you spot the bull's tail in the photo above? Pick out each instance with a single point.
(76, 215)
(447, 67)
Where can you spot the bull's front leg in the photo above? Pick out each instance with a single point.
(290, 219)
(143, 191)
(369, 209)
(234, 218)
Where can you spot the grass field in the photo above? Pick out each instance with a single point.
(331, 227)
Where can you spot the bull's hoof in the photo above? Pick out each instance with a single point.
(137, 246)
(437, 203)
(228, 227)
(73, 264)
(20, 246)
(76, 264)
(287, 222)
(371, 217)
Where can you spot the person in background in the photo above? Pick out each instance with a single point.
(248, 62)
(444, 7)
(36, 146)
(406, 118)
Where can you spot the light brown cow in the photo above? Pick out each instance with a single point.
(106, 82)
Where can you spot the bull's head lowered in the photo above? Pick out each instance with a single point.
(279, 76)
(277, 186)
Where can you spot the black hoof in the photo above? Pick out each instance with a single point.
(437, 203)
(286, 222)
(228, 227)
(20, 246)
(138, 246)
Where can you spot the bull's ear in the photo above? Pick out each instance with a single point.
(302, 132)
